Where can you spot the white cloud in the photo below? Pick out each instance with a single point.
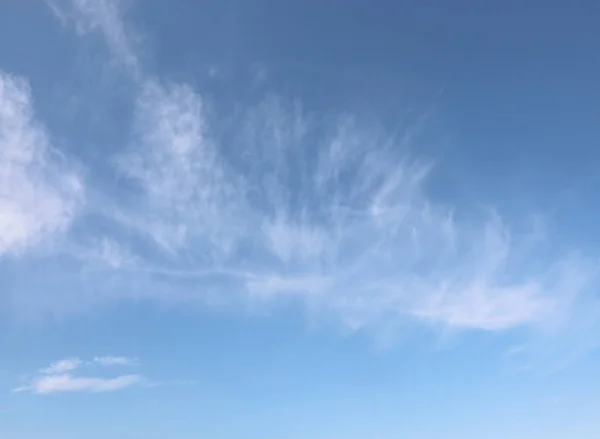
(326, 208)
(110, 253)
(116, 361)
(103, 16)
(289, 241)
(68, 383)
(354, 226)
(56, 377)
(39, 193)
(62, 366)
(485, 307)
(179, 172)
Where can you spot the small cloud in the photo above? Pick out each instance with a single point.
(57, 378)
(67, 383)
(116, 361)
(62, 366)
(109, 253)
(515, 350)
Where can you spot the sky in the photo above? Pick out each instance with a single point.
(292, 219)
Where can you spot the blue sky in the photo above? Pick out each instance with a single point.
(326, 219)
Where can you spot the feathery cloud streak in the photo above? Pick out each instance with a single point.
(56, 378)
(116, 361)
(39, 192)
(325, 208)
(62, 366)
(68, 383)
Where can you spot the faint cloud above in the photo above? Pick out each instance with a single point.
(56, 377)
(67, 383)
(103, 16)
(62, 366)
(515, 350)
(116, 361)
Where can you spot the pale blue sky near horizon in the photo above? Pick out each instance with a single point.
(290, 219)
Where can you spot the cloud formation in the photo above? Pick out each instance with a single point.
(273, 201)
(62, 366)
(56, 377)
(67, 383)
(116, 361)
(39, 192)
(103, 16)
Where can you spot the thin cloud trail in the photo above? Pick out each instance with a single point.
(59, 377)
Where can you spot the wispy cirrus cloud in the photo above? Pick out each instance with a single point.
(326, 208)
(345, 215)
(116, 361)
(40, 193)
(58, 377)
(61, 383)
(62, 366)
(103, 16)
(184, 186)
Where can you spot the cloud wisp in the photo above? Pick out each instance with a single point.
(40, 193)
(62, 366)
(274, 202)
(57, 377)
(116, 361)
(103, 16)
(61, 383)
(342, 221)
